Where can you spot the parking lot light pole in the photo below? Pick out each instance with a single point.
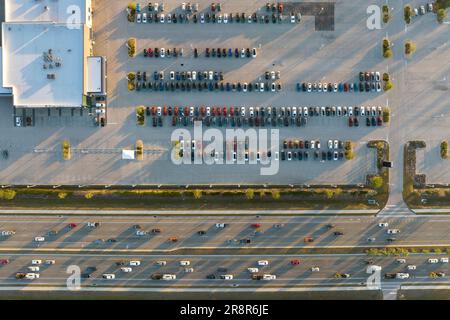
(31, 186)
(57, 186)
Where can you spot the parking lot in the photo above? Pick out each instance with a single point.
(298, 51)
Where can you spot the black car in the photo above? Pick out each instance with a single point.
(111, 240)
(247, 240)
(210, 276)
(329, 155)
(201, 232)
(324, 155)
(367, 87)
(374, 121)
(306, 155)
(283, 155)
(368, 122)
(154, 122)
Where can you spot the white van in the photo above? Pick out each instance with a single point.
(135, 263)
(169, 277)
(269, 277)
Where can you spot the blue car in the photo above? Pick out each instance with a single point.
(341, 87)
(230, 52)
(138, 8)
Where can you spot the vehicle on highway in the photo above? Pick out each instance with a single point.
(34, 268)
(295, 262)
(93, 224)
(5, 233)
(39, 239)
(141, 233)
(32, 276)
(263, 263)
(226, 277)
(308, 239)
(126, 269)
(4, 261)
(444, 260)
(393, 231)
(185, 263)
(411, 267)
(161, 262)
(135, 263)
(401, 260)
(269, 277)
(221, 225)
(169, 277)
(383, 224)
(402, 275)
(189, 270)
(315, 269)
(433, 260)
(36, 262)
(50, 262)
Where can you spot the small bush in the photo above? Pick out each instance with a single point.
(386, 114)
(441, 14)
(407, 14)
(386, 77)
(276, 195)
(250, 194)
(377, 182)
(139, 150)
(348, 150)
(386, 15)
(140, 115)
(387, 52)
(66, 149)
(388, 86)
(131, 45)
(89, 195)
(410, 48)
(444, 149)
(62, 195)
(197, 194)
(130, 79)
(7, 194)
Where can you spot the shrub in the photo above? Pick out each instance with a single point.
(386, 114)
(139, 150)
(410, 47)
(441, 14)
(407, 14)
(329, 194)
(386, 15)
(388, 86)
(276, 195)
(348, 152)
(7, 194)
(250, 194)
(89, 195)
(66, 149)
(387, 52)
(444, 149)
(197, 194)
(377, 182)
(131, 84)
(131, 45)
(140, 115)
(386, 77)
(62, 195)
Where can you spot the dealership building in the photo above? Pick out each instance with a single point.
(46, 54)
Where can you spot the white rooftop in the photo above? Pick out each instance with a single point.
(59, 11)
(24, 45)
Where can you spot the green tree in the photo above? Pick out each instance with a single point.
(441, 14)
(276, 195)
(410, 47)
(197, 194)
(407, 14)
(250, 194)
(377, 182)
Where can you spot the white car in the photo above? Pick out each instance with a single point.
(444, 260)
(294, 111)
(309, 87)
(325, 87)
(250, 111)
(159, 111)
(315, 269)
(144, 17)
(243, 111)
(7, 233)
(317, 144)
(319, 87)
(249, 19)
(126, 269)
(210, 75)
(313, 144)
(263, 263)
(402, 275)
(383, 224)
(339, 111)
(138, 18)
(36, 262)
(50, 261)
(161, 18)
(185, 263)
(162, 53)
(363, 111)
(433, 260)
(411, 267)
(392, 231)
(242, 53)
(32, 276)
(140, 233)
(135, 263)
(109, 276)
(253, 270)
(188, 270)
(191, 111)
(273, 87)
(39, 239)
(225, 18)
(330, 144)
(169, 277)
(305, 111)
(208, 111)
(172, 75)
(293, 18)
(161, 262)
(202, 18)
(269, 277)
(244, 87)
(401, 260)
(335, 87)
(33, 268)
(226, 277)
(261, 87)
(219, 18)
(374, 111)
(254, 53)
(336, 144)
(289, 156)
(350, 111)
(220, 225)
(194, 75)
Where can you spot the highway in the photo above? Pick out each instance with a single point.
(414, 230)
(288, 275)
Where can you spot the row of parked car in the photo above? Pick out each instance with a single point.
(313, 144)
(183, 75)
(224, 52)
(304, 155)
(209, 86)
(219, 18)
(339, 87)
(163, 53)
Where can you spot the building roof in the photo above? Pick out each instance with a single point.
(3, 90)
(94, 75)
(24, 45)
(59, 11)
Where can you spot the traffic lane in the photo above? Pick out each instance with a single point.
(356, 232)
(278, 265)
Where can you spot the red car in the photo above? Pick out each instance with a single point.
(165, 110)
(153, 110)
(186, 111)
(4, 261)
(232, 111)
(379, 121)
(224, 111)
(150, 52)
(256, 225)
(308, 239)
(213, 111)
(176, 111)
(295, 262)
(72, 225)
(350, 122)
(203, 111)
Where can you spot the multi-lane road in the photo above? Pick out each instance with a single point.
(217, 248)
